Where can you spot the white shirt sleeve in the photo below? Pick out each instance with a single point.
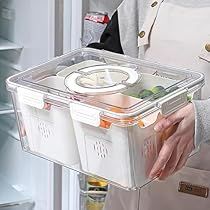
(202, 121)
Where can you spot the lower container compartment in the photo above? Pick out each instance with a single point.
(122, 155)
(48, 131)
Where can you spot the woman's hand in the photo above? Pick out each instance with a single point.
(177, 148)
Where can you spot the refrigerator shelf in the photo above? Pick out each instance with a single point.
(7, 45)
(8, 126)
(10, 197)
(6, 108)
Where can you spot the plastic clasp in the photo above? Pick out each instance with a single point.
(31, 98)
(173, 103)
(85, 114)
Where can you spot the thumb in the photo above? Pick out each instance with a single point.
(167, 122)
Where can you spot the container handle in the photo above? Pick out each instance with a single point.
(173, 103)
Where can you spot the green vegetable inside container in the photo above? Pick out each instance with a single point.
(145, 93)
(189, 98)
(135, 95)
(157, 89)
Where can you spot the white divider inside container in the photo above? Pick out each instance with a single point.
(50, 132)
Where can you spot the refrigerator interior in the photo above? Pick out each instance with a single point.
(26, 182)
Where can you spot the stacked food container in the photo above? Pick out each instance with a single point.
(94, 111)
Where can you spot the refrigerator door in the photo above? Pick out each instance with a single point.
(27, 38)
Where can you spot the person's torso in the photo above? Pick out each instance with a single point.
(179, 36)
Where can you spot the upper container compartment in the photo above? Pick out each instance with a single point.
(94, 111)
(88, 74)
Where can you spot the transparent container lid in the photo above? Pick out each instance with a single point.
(116, 85)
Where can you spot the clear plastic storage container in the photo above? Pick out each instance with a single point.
(94, 111)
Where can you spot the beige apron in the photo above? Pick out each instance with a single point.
(176, 35)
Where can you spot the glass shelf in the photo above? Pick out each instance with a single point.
(6, 109)
(10, 197)
(8, 125)
(7, 45)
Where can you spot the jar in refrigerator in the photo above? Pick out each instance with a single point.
(94, 204)
(96, 184)
(97, 189)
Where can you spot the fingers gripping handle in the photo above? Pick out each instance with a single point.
(173, 103)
